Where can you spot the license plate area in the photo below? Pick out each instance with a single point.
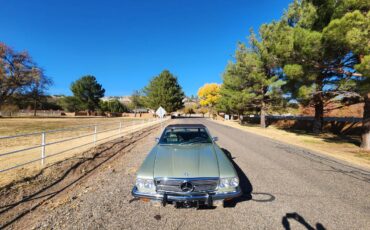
(188, 204)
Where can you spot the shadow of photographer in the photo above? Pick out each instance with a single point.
(295, 216)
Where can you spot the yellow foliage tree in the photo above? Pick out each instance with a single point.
(209, 94)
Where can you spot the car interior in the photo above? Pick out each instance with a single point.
(185, 135)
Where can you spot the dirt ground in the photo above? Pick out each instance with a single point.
(52, 186)
(64, 145)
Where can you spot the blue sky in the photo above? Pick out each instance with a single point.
(124, 43)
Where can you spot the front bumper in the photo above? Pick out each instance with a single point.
(175, 197)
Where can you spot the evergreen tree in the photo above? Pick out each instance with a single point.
(113, 106)
(164, 90)
(235, 97)
(349, 34)
(250, 83)
(70, 104)
(316, 72)
(88, 91)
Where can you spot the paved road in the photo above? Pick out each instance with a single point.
(285, 187)
(291, 186)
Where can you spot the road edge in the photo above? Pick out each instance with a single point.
(320, 153)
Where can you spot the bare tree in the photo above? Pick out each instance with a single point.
(37, 90)
(17, 72)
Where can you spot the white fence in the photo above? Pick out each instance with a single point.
(24, 149)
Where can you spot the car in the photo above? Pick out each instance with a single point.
(175, 115)
(186, 168)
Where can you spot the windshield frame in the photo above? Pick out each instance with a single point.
(209, 141)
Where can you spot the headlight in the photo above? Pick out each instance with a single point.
(144, 183)
(229, 182)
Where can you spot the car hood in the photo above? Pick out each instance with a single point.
(187, 161)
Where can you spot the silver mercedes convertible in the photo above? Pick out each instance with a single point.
(186, 168)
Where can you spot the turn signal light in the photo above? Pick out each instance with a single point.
(145, 199)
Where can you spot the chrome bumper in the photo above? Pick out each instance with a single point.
(186, 197)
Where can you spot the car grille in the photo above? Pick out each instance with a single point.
(174, 185)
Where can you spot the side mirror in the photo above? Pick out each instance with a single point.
(215, 138)
(157, 139)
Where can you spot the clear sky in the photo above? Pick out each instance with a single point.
(124, 43)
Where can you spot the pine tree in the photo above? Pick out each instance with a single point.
(249, 83)
(88, 92)
(349, 34)
(316, 71)
(164, 90)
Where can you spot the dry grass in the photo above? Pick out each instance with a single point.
(12, 126)
(109, 128)
(343, 148)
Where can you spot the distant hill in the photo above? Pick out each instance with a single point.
(123, 99)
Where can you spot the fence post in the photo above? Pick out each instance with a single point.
(95, 134)
(43, 143)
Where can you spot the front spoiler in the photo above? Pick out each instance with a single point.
(188, 197)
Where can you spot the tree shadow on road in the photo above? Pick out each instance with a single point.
(295, 216)
(244, 184)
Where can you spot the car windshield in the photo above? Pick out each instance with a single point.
(185, 136)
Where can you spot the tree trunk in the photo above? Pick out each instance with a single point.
(319, 113)
(366, 124)
(263, 115)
